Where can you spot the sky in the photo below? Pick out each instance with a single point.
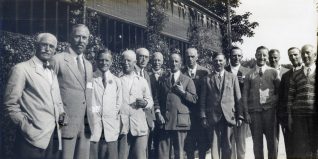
(282, 24)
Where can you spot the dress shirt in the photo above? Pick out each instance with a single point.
(128, 79)
(235, 69)
(264, 67)
(176, 75)
(312, 69)
(47, 71)
(192, 70)
(157, 73)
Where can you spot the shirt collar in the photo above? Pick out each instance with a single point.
(157, 72)
(263, 68)
(38, 62)
(221, 73)
(312, 67)
(192, 70)
(176, 75)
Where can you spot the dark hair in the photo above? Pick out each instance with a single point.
(293, 48)
(261, 48)
(217, 54)
(234, 48)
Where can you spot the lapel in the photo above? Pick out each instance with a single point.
(39, 70)
(98, 75)
(225, 80)
(70, 62)
(88, 73)
(168, 80)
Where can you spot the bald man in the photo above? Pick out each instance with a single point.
(302, 106)
(175, 92)
(136, 98)
(33, 102)
(197, 137)
(75, 74)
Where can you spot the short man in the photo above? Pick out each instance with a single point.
(282, 114)
(33, 102)
(175, 93)
(219, 101)
(75, 75)
(302, 106)
(274, 57)
(197, 137)
(238, 149)
(106, 102)
(136, 98)
(141, 70)
(260, 95)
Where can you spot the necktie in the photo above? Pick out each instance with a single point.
(192, 75)
(80, 66)
(220, 80)
(260, 72)
(104, 80)
(47, 65)
(308, 72)
(172, 79)
(142, 73)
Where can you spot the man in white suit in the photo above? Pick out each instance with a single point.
(136, 98)
(106, 102)
(33, 102)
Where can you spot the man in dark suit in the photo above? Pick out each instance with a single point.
(75, 75)
(219, 101)
(172, 101)
(33, 102)
(141, 70)
(197, 137)
(260, 95)
(282, 113)
(238, 145)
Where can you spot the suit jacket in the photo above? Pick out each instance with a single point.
(33, 103)
(75, 91)
(173, 106)
(216, 102)
(282, 71)
(241, 72)
(106, 103)
(149, 112)
(283, 97)
(134, 119)
(253, 84)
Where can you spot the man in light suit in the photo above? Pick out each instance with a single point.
(197, 138)
(282, 113)
(220, 97)
(136, 98)
(141, 70)
(106, 103)
(176, 92)
(238, 145)
(260, 95)
(33, 102)
(75, 75)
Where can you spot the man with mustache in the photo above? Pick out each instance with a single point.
(302, 106)
(282, 113)
(75, 75)
(260, 95)
(136, 98)
(33, 101)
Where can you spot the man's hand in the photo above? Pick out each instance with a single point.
(247, 117)
(204, 123)
(141, 103)
(179, 88)
(160, 119)
(63, 120)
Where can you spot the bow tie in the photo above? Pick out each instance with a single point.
(47, 65)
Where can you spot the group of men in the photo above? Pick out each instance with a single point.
(65, 110)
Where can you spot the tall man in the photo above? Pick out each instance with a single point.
(106, 102)
(274, 57)
(260, 95)
(172, 101)
(282, 113)
(220, 96)
(197, 138)
(238, 149)
(33, 102)
(136, 98)
(302, 106)
(141, 70)
(75, 75)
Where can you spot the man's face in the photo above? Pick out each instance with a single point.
(104, 61)
(79, 39)
(175, 63)
(274, 59)
(294, 57)
(142, 58)
(128, 63)
(308, 55)
(236, 57)
(191, 57)
(261, 57)
(46, 48)
(219, 63)
(157, 62)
